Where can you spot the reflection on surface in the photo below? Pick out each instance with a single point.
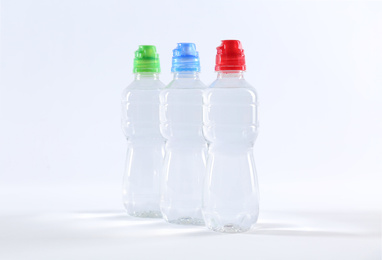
(95, 235)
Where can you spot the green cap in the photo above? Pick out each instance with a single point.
(146, 59)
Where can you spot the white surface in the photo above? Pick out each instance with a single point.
(315, 65)
(113, 235)
(88, 222)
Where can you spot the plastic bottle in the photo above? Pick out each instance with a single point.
(230, 197)
(181, 123)
(140, 123)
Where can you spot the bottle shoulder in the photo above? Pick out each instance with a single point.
(145, 85)
(138, 86)
(186, 84)
(231, 83)
(142, 93)
(238, 90)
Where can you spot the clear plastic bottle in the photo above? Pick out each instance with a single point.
(181, 123)
(230, 197)
(140, 123)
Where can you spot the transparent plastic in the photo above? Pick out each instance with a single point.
(145, 152)
(181, 123)
(230, 195)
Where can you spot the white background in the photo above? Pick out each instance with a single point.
(317, 67)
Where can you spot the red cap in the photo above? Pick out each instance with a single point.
(230, 56)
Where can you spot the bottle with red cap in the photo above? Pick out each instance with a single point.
(230, 196)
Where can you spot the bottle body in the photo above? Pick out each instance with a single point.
(145, 153)
(184, 169)
(230, 196)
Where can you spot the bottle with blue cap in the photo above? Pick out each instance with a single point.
(140, 123)
(181, 123)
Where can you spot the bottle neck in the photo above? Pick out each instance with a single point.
(186, 75)
(146, 76)
(231, 74)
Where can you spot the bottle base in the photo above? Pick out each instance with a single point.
(187, 221)
(145, 214)
(229, 228)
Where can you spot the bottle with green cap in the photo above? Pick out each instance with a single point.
(140, 124)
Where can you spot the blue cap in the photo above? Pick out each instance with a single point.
(185, 58)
